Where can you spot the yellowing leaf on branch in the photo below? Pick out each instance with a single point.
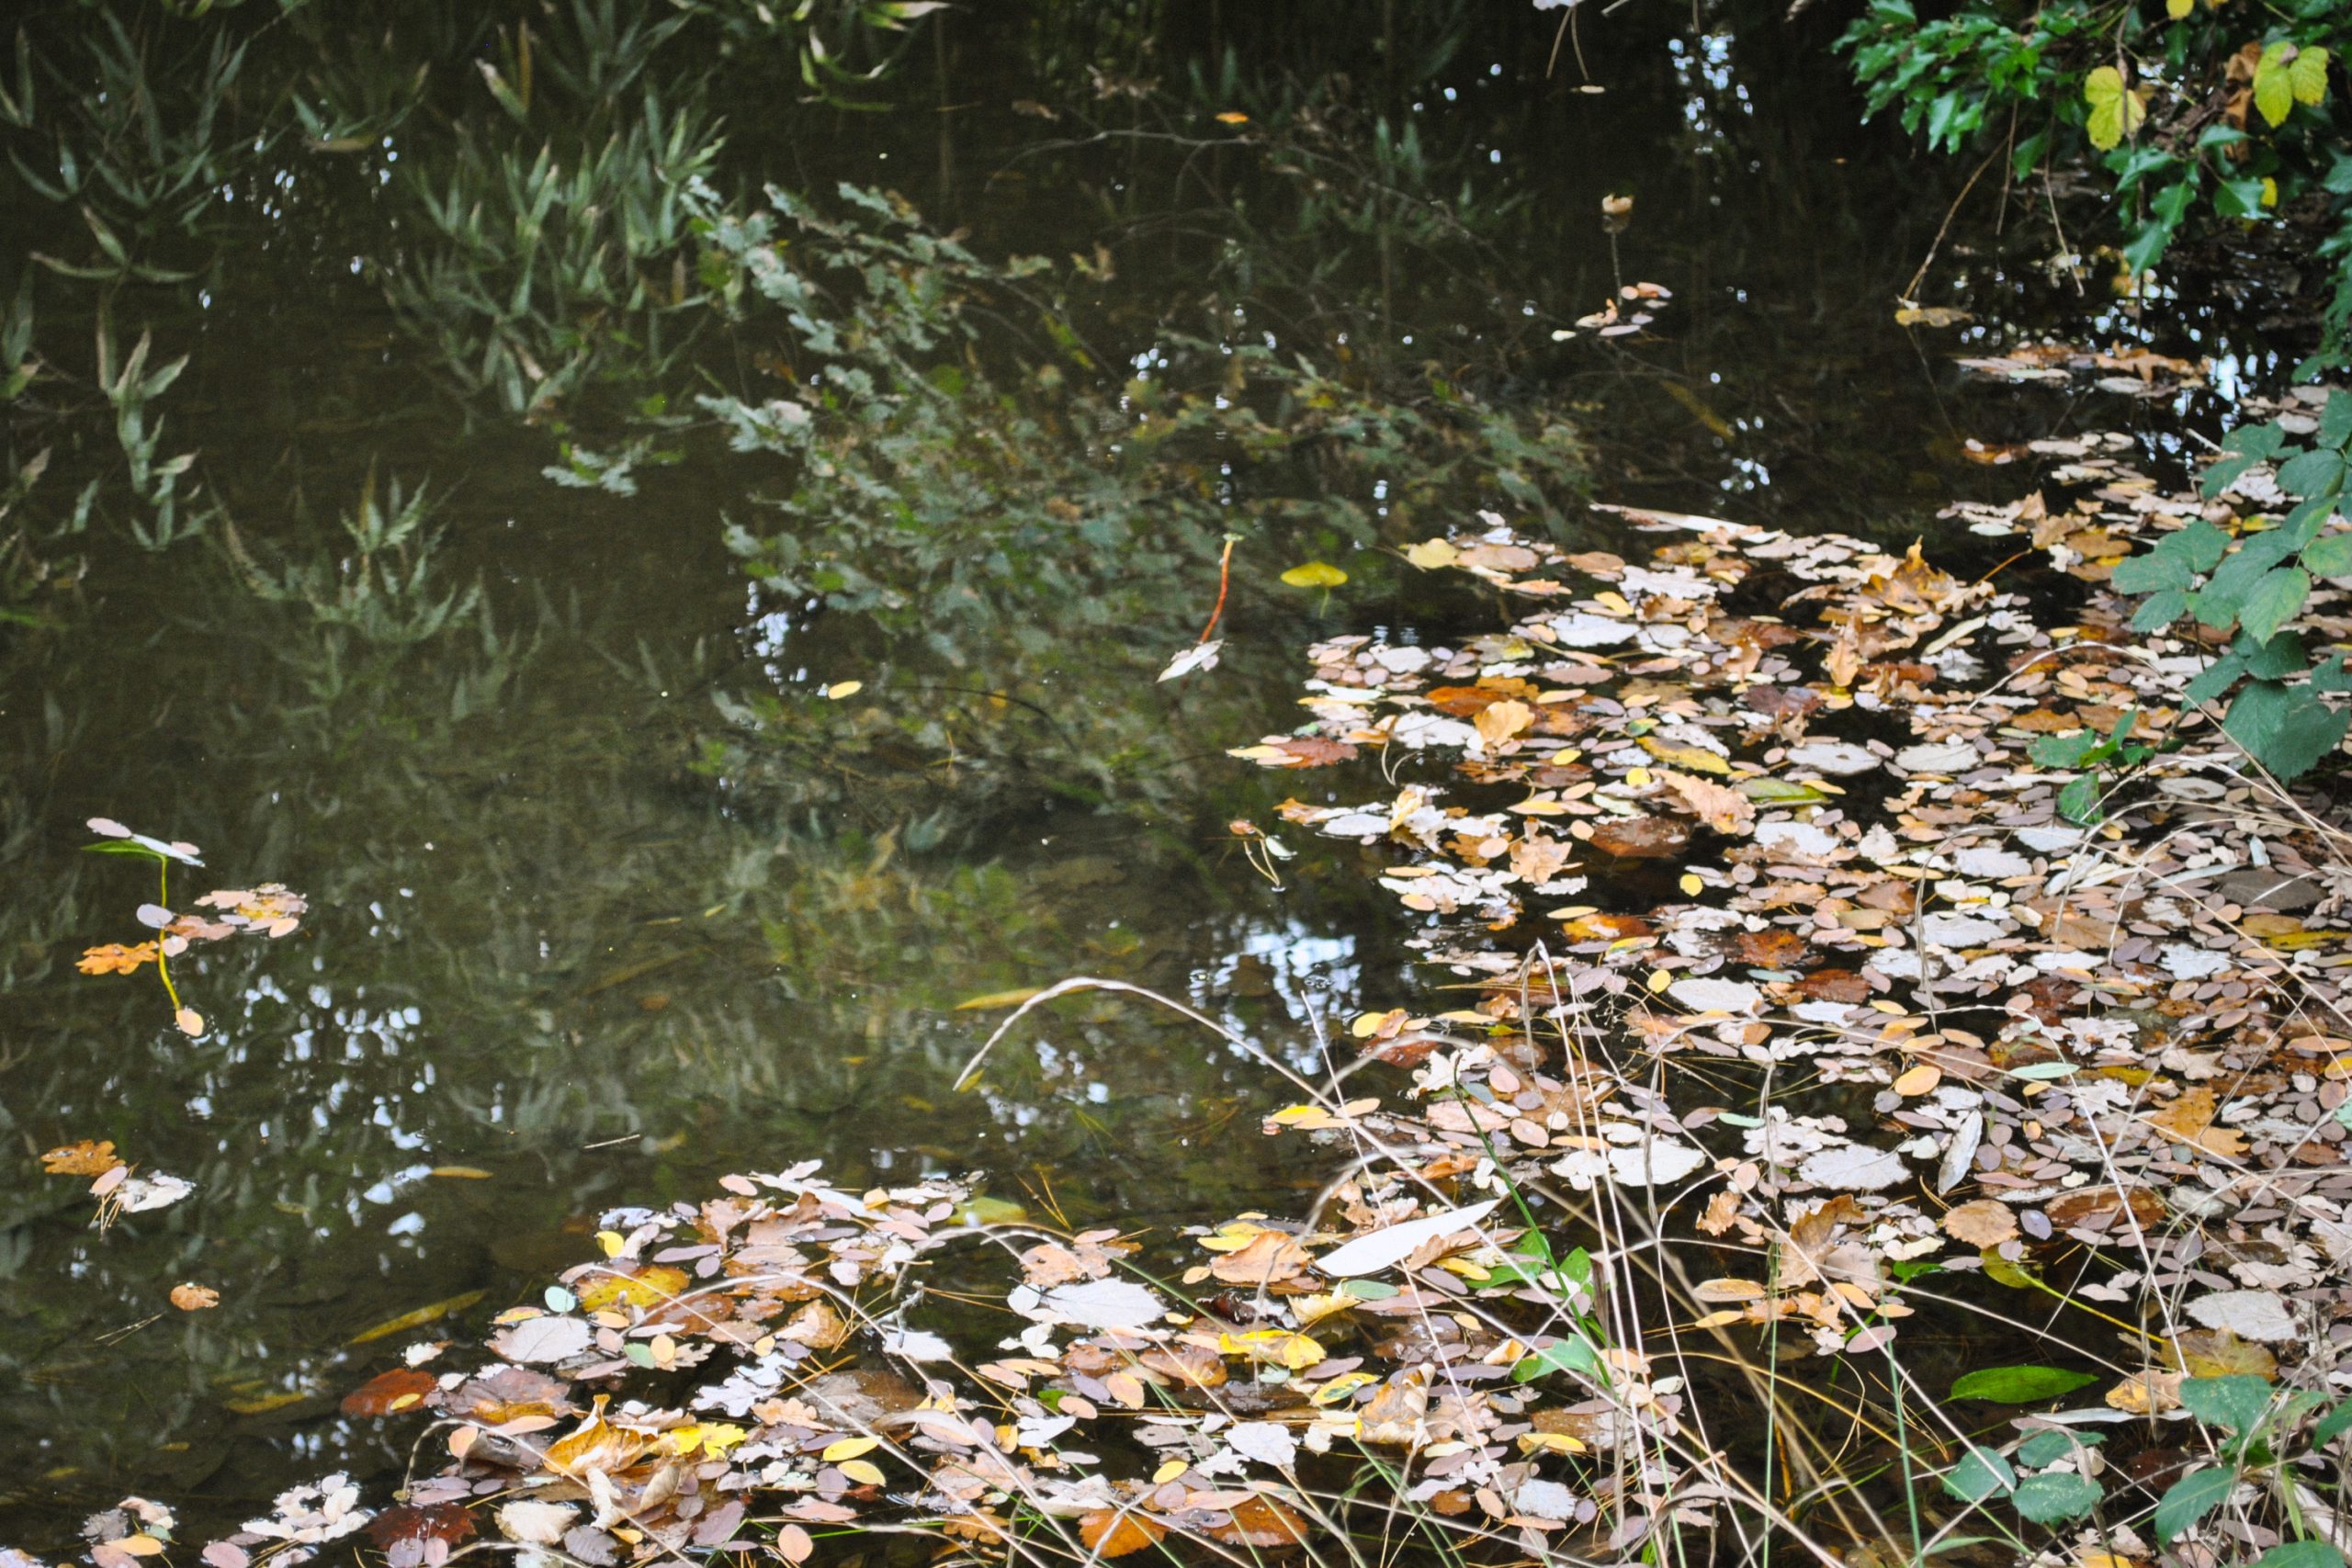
(2116, 112)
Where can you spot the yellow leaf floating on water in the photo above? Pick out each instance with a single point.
(863, 1471)
(711, 1438)
(647, 1287)
(1275, 1347)
(262, 1404)
(849, 1447)
(1431, 554)
(1692, 759)
(418, 1318)
(1233, 116)
(1011, 999)
(841, 689)
(1314, 574)
(1919, 1080)
(459, 1173)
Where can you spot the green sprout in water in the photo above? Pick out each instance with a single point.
(270, 909)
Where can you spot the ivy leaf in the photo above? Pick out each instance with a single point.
(2116, 112)
(2192, 1497)
(2239, 198)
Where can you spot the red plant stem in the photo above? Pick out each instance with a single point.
(1224, 582)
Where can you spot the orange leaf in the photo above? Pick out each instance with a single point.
(195, 1298)
(1109, 1534)
(113, 958)
(84, 1158)
(1262, 1521)
(389, 1394)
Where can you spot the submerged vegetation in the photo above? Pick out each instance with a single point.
(754, 561)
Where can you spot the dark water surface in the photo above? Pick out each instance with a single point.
(575, 931)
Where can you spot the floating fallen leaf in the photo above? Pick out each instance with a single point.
(1930, 316)
(1985, 1223)
(1109, 1534)
(391, 1393)
(195, 1298)
(1314, 574)
(84, 1158)
(1201, 655)
(990, 1000)
(418, 1318)
(841, 689)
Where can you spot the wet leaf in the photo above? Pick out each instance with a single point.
(1314, 574)
(1985, 1223)
(2019, 1385)
(1202, 656)
(195, 1298)
(418, 1318)
(1262, 1521)
(391, 1393)
(84, 1158)
(1112, 1534)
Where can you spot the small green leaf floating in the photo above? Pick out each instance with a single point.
(2300, 1554)
(2019, 1385)
(2236, 1403)
(1568, 1356)
(2060, 1495)
(2192, 1498)
(1980, 1473)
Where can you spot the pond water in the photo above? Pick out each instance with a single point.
(606, 899)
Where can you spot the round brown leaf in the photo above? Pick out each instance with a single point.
(195, 1298)
(1987, 1222)
(390, 1393)
(448, 1522)
(1642, 837)
(1110, 1534)
(1262, 1521)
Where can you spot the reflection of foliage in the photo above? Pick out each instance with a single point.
(143, 147)
(2211, 115)
(966, 510)
(842, 47)
(385, 593)
(542, 272)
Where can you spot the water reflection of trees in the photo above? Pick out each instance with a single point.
(563, 892)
